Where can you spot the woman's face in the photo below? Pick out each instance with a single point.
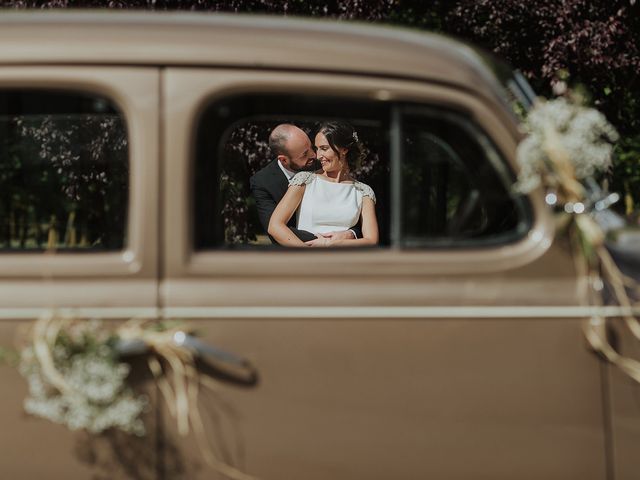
(328, 158)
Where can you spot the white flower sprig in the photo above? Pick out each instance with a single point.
(94, 395)
(563, 129)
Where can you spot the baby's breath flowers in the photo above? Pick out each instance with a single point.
(95, 396)
(75, 377)
(568, 144)
(563, 129)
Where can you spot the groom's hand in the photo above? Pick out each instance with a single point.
(321, 241)
(342, 235)
(327, 239)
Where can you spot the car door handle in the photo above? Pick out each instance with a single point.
(214, 360)
(204, 350)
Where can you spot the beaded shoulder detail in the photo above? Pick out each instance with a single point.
(365, 189)
(301, 178)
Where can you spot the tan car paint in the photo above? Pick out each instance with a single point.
(455, 380)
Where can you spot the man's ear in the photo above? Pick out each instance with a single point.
(284, 160)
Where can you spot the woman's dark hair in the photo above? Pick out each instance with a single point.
(341, 134)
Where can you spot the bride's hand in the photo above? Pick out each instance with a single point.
(340, 235)
(321, 241)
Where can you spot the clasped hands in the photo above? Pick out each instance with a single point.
(330, 238)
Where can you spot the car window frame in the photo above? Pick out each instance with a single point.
(200, 87)
(133, 91)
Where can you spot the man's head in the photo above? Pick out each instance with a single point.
(292, 147)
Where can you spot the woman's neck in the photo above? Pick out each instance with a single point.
(337, 176)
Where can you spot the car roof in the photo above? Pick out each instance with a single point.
(242, 41)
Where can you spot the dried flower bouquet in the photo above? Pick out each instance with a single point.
(77, 377)
(567, 146)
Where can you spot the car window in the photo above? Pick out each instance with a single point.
(455, 188)
(232, 147)
(63, 171)
(438, 181)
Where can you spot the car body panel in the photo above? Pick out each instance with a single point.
(386, 362)
(377, 363)
(112, 286)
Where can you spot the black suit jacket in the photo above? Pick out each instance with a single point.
(268, 186)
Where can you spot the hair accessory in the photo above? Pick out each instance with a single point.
(355, 136)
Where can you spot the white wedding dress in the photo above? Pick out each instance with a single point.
(328, 206)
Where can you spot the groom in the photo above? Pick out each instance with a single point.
(294, 153)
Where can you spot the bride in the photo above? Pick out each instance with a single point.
(329, 199)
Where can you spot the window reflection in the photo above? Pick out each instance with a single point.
(63, 171)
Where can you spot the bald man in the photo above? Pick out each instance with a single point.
(294, 153)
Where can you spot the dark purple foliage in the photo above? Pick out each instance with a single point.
(594, 43)
(370, 10)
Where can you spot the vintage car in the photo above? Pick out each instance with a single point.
(453, 349)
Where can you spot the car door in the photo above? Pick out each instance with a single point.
(453, 350)
(623, 405)
(79, 239)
